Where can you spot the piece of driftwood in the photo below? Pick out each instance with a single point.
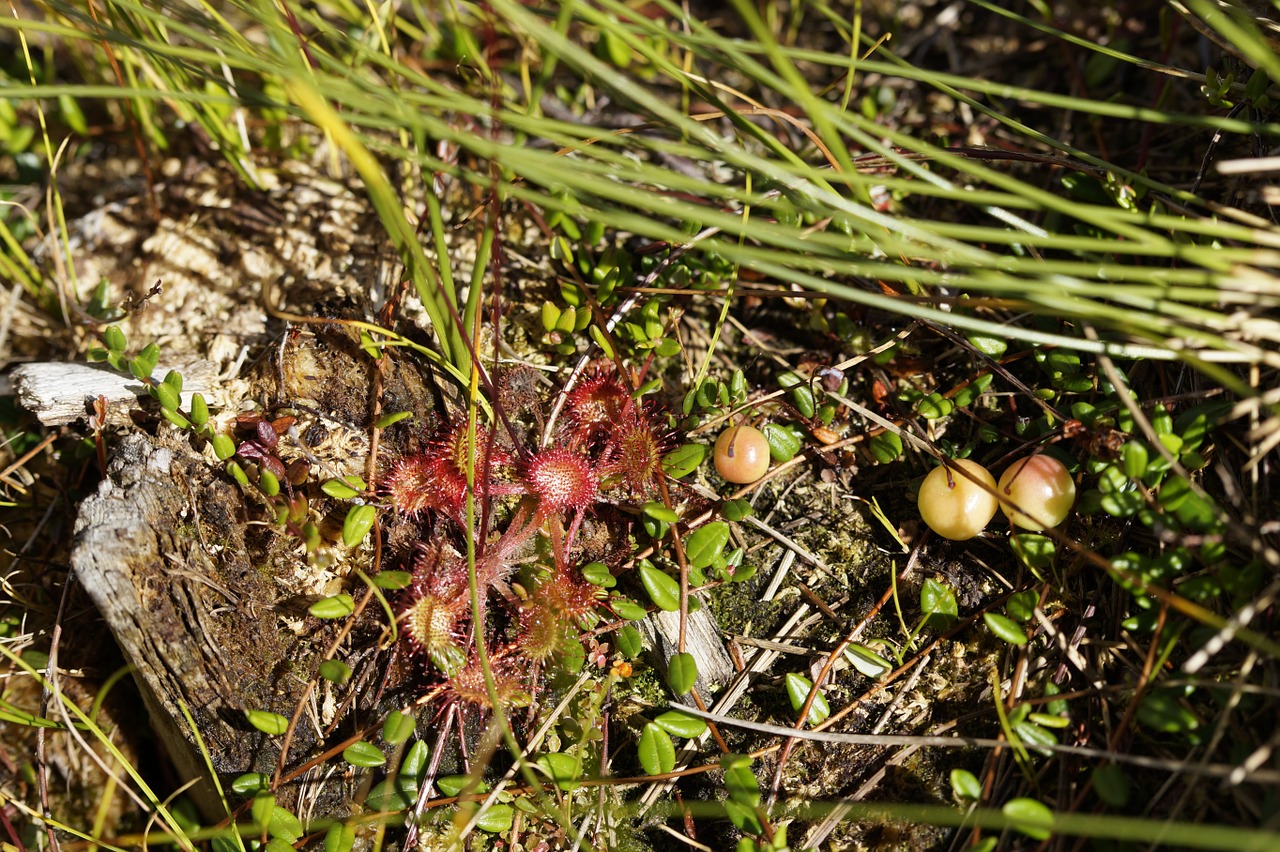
(161, 548)
(58, 393)
(703, 639)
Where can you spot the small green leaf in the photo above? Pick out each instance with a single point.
(345, 488)
(398, 727)
(1030, 817)
(261, 808)
(798, 689)
(598, 574)
(938, 603)
(175, 418)
(867, 661)
(199, 409)
(802, 399)
(1160, 710)
(271, 724)
(114, 339)
(1049, 720)
(680, 724)
(1036, 551)
(236, 472)
(335, 671)
(992, 347)
(369, 345)
(223, 447)
(965, 785)
(391, 419)
(736, 510)
(174, 380)
(363, 754)
(629, 609)
(283, 825)
(415, 763)
(663, 589)
(251, 783)
(1005, 628)
(339, 838)
(784, 441)
(659, 512)
(453, 785)
(357, 524)
(169, 398)
(682, 673)
(683, 460)
(1022, 606)
(885, 447)
(268, 483)
(393, 580)
(705, 544)
(563, 769)
(656, 751)
(496, 818)
(337, 606)
(739, 781)
(629, 642)
(743, 818)
(934, 406)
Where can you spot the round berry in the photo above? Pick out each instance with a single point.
(952, 504)
(1042, 488)
(742, 454)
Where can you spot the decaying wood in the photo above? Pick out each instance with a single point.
(161, 550)
(703, 639)
(58, 393)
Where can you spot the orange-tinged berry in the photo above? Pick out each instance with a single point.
(742, 454)
(1042, 487)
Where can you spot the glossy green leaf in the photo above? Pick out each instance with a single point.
(659, 512)
(115, 339)
(363, 754)
(563, 769)
(886, 447)
(866, 661)
(199, 409)
(335, 671)
(993, 347)
(392, 580)
(251, 783)
(656, 750)
(683, 460)
(1030, 817)
(965, 785)
(629, 609)
(598, 574)
(680, 724)
(784, 440)
(272, 724)
(268, 482)
(283, 825)
(630, 643)
(743, 818)
(336, 606)
(705, 544)
(388, 420)
(415, 761)
(802, 399)
(339, 838)
(1021, 607)
(663, 589)
(1005, 628)
(682, 673)
(453, 785)
(358, 522)
(938, 603)
(739, 781)
(398, 727)
(223, 447)
(736, 510)
(345, 488)
(798, 689)
(496, 819)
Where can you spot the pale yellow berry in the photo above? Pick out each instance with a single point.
(953, 505)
